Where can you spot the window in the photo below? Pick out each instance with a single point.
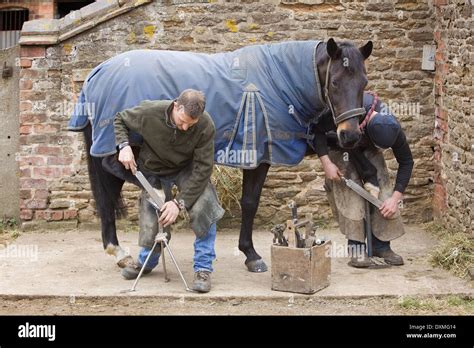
(11, 22)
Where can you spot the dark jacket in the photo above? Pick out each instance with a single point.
(167, 150)
(400, 148)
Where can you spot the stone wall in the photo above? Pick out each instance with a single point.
(454, 93)
(54, 182)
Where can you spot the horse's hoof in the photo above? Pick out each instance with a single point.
(257, 266)
(126, 261)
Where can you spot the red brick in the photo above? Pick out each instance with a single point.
(26, 214)
(25, 63)
(37, 204)
(42, 215)
(64, 160)
(26, 84)
(67, 172)
(440, 2)
(441, 113)
(439, 200)
(26, 118)
(33, 139)
(25, 172)
(70, 214)
(32, 51)
(46, 128)
(47, 172)
(31, 95)
(41, 194)
(56, 215)
(25, 106)
(32, 73)
(25, 194)
(35, 161)
(49, 215)
(442, 124)
(25, 129)
(23, 140)
(46, 10)
(440, 56)
(48, 150)
(33, 183)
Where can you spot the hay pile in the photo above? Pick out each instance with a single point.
(455, 251)
(228, 183)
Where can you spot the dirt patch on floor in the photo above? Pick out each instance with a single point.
(450, 305)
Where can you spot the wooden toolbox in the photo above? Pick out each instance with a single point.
(301, 270)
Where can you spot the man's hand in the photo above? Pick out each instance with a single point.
(127, 158)
(169, 213)
(390, 206)
(330, 169)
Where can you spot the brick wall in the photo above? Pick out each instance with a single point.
(39, 9)
(54, 183)
(454, 166)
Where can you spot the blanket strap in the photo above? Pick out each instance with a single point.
(250, 100)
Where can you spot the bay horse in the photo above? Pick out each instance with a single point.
(340, 74)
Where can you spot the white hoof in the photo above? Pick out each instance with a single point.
(122, 258)
(373, 190)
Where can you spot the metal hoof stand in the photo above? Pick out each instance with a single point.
(157, 203)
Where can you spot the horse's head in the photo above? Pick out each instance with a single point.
(342, 71)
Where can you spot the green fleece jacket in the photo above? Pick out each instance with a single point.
(167, 150)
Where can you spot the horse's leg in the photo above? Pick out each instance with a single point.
(106, 191)
(108, 214)
(365, 169)
(253, 181)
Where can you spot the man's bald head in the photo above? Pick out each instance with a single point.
(193, 101)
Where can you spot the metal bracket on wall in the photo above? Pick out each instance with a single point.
(7, 71)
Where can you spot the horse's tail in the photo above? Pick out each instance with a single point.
(108, 199)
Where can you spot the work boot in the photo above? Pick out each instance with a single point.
(359, 258)
(202, 281)
(132, 270)
(389, 257)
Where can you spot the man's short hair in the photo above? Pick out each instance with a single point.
(193, 101)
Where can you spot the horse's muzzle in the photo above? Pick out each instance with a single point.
(348, 139)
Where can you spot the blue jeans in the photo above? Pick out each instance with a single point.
(204, 253)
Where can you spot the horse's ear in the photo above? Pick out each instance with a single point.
(332, 48)
(366, 50)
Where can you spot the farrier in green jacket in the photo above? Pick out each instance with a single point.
(166, 149)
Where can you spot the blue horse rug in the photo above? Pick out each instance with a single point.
(261, 98)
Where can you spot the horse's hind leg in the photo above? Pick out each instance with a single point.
(106, 190)
(253, 181)
(108, 218)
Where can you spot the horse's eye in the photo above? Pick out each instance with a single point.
(334, 84)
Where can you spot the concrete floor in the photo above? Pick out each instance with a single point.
(72, 263)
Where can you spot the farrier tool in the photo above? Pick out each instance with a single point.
(295, 238)
(368, 228)
(157, 202)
